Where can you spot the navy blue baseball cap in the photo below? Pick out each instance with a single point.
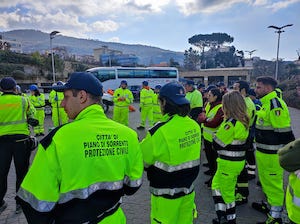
(8, 83)
(82, 81)
(190, 82)
(145, 83)
(174, 92)
(251, 92)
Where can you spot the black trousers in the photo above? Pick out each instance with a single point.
(211, 156)
(242, 185)
(14, 147)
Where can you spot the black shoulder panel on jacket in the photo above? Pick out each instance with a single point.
(233, 121)
(275, 103)
(157, 126)
(45, 142)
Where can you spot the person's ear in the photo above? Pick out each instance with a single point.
(82, 96)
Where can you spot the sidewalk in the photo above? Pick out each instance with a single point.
(137, 207)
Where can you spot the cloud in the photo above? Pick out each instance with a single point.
(282, 4)
(190, 7)
(73, 16)
(104, 26)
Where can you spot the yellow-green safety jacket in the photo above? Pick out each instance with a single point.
(195, 98)
(230, 140)
(172, 158)
(55, 98)
(120, 92)
(208, 132)
(14, 111)
(157, 115)
(146, 98)
(82, 169)
(293, 198)
(251, 109)
(38, 101)
(273, 124)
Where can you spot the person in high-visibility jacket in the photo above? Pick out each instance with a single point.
(31, 111)
(289, 159)
(122, 99)
(211, 121)
(272, 131)
(172, 159)
(195, 98)
(38, 101)
(157, 115)
(83, 168)
(14, 136)
(59, 116)
(146, 105)
(242, 191)
(230, 143)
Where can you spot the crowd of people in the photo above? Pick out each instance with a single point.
(82, 168)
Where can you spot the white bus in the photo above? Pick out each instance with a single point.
(112, 76)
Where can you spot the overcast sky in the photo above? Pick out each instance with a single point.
(163, 23)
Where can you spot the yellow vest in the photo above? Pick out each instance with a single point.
(210, 114)
(13, 115)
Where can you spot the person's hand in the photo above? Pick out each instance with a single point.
(201, 117)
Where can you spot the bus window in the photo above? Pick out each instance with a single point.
(163, 74)
(141, 73)
(104, 75)
(125, 73)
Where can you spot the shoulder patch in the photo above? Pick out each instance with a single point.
(275, 103)
(45, 142)
(157, 126)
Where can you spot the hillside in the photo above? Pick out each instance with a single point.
(34, 40)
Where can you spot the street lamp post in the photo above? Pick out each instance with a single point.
(279, 31)
(52, 35)
(250, 53)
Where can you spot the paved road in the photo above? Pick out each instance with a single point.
(137, 207)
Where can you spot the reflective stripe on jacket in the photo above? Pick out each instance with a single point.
(208, 132)
(93, 159)
(13, 114)
(146, 98)
(172, 158)
(230, 140)
(273, 125)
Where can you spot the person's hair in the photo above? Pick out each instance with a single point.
(267, 80)
(95, 99)
(217, 92)
(244, 85)
(234, 106)
(171, 108)
(36, 92)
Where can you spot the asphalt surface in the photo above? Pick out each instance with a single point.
(137, 207)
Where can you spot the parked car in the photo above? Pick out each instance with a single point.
(135, 92)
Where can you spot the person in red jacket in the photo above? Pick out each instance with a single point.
(211, 120)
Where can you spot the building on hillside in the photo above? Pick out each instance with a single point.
(109, 57)
(10, 44)
(104, 50)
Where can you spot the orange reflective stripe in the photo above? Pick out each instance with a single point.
(9, 105)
